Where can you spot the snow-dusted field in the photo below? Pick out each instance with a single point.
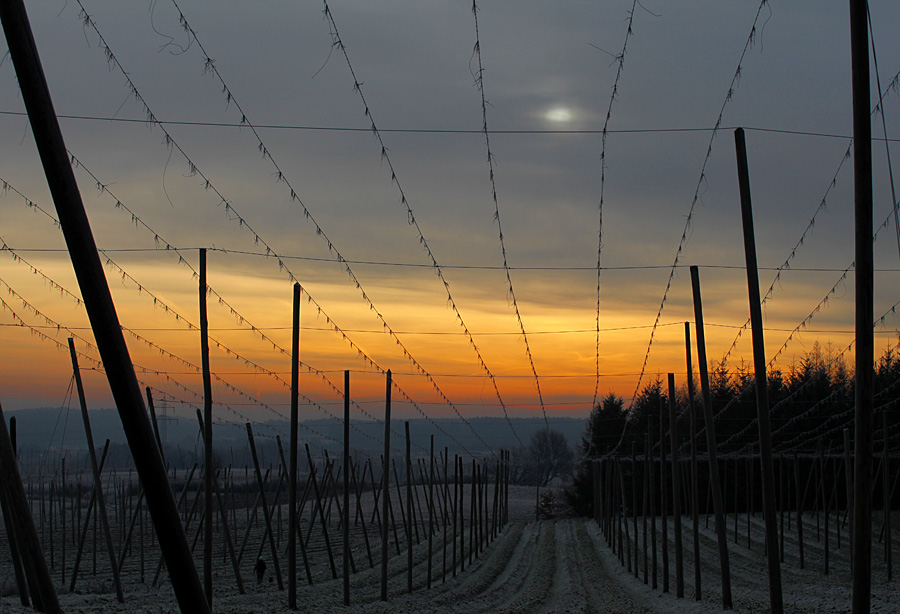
(558, 565)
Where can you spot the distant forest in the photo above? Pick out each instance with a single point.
(810, 404)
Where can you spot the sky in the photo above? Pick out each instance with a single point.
(251, 130)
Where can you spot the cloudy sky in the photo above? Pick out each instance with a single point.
(311, 182)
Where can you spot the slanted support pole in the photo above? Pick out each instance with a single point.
(100, 308)
(208, 471)
(265, 506)
(715, 483)
(101, 507)
(767, 466)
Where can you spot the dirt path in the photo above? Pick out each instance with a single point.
(548, 567)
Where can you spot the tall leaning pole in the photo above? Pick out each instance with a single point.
(100, 308)
(767, 466)
(861, 574)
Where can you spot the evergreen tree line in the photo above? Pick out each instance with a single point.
(810, 406)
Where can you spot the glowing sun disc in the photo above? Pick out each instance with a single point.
(559, 115)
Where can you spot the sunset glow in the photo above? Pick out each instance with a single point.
(394, 233)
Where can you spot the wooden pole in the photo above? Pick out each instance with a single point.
(300, 540)
(182, 498)
(409, 512)
(272, 508)
(767, 468)
(676, 491)
(318, 507)
(251, 516)
(781, 508)
(406, 525)
(101, 507)
(716, 485)
(455, 506)
(634, 504)
(865, 346)
(623, 518)
(826, 508)
(228, 543)
(18, 569)
(43, 593)
(385, 486)
(208, 471)
(800, 502)
(360, 514)
(128, 537)
(473, 518)
(219, 503)
(645, 503)
(886, 497)
(444, 515)
(663, 498)
(346, 488)
(265, 507)
(292, 458)
(462, 516)
(430, 514)
(12, 435)
(62, 519)
(154, 423)
(695, 482)
(848, 478)
(654, 561)
(99, 306)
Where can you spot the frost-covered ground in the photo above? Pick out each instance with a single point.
(557, 565)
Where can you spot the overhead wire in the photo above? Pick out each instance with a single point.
(210, 67)
(638, 131)
(157, 302)
(701, 180)
(229, 209)
(620, 65)
(479, 85)
(411, 218)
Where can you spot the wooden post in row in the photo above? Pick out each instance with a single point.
(265, 507)
(101, 506)
(385, 487)
(718, 504)
(664, 498)
(293, 452)
(229, 546)
(346, 509)
(695, 487)
(409, 513)
(676, 492)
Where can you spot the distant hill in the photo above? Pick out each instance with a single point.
(43, 429)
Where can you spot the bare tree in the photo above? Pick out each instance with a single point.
(546, 457)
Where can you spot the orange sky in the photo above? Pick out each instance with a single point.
(313, 183)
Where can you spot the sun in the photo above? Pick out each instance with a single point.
(559, 115)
